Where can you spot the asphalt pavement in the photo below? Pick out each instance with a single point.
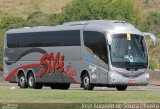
(150, 87)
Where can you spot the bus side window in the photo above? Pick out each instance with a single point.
(97, 43)
(44, 39)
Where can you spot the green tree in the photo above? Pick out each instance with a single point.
(97, 9)
(37, 18)
(8, 22)
(152, 23)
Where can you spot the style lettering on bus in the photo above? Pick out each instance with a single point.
(51, 62)
(69, 72)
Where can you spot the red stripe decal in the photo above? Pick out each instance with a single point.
(11, 74)
(52, 63)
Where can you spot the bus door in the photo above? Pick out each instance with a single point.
(95, 43)
(103, 59)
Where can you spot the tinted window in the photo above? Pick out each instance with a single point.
(44, 39)
(96, 42)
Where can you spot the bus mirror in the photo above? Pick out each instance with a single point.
(109, 39)
(152, 36)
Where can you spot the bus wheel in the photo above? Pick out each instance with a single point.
(62, 86)
(32, 83)
(121, 87)
(22, 81)
(86, 82)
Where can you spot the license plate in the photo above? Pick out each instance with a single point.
(132, 81)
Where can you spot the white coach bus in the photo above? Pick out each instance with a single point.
(91, 53)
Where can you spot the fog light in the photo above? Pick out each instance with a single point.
(114, 75)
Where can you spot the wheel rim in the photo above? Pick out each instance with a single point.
(31, 80)
(22, 80)
(86, 81)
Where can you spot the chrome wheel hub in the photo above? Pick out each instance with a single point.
(86, 81)
(22, 81)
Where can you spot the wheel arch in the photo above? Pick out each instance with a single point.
(84, 72)
(19, 72)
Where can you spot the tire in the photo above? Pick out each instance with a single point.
(22, 83)
(62, 86)
(86, 82)
(32, 83)
(121, 87)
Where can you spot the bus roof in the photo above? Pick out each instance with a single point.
(110, 26)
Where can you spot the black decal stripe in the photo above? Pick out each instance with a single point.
(32, 50)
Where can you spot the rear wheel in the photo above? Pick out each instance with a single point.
(22, 81)
(62, 86)
(121, 87)
(86, 82)
(32, 83)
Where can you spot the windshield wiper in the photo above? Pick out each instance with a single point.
(139, 65)
(129, 65)
(125, 63)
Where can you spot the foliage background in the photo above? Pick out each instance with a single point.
(144, 14)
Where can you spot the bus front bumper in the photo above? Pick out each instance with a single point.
(118, 79)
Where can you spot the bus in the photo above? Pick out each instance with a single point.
(91, 53)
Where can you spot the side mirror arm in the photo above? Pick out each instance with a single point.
(152, 36)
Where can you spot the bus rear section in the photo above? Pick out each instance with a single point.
(45, 58)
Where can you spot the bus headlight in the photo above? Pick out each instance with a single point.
(147, 75)
(114, 74)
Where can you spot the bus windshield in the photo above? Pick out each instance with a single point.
(128, 50)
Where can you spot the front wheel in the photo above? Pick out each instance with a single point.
(121, 87)
(32, 83)
(86, 82)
